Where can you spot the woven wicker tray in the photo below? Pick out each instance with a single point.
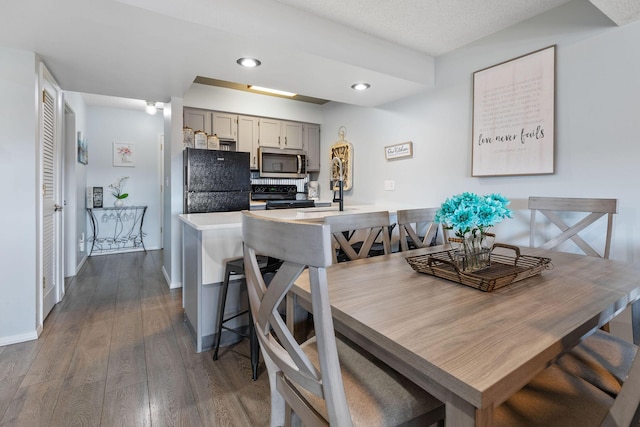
(503, 271)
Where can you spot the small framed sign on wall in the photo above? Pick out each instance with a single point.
(398, 151)
(513, 116)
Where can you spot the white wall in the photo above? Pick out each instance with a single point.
(172, 203)
(108, 125)
(18, 142)
(597, 126)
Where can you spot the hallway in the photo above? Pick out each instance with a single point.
(115, 352)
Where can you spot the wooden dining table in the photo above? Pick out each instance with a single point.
(471, 349)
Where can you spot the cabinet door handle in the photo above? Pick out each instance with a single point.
(285, 140)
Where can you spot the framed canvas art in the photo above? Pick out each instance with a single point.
(124, 154)
(514, 116)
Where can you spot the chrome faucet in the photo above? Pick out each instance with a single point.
(340, 198)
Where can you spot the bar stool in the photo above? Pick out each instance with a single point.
(235, 266)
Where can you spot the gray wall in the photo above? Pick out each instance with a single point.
(597, 126)
(18, 142)
(108, 125)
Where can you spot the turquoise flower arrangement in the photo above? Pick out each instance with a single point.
(469, 213)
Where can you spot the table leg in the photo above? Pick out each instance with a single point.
(296, 318)
(459, 412)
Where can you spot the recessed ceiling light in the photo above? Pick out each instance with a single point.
(360, 86)
(151, 108)
(248, 62)
(274, 91)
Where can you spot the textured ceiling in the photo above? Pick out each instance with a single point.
(154, 49)
(433, 27)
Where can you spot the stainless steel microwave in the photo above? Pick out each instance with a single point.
(282, 163)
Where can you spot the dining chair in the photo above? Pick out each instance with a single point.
(602, 359)
(590, 209)
(365, 227)
(326, 380)
(557, 398)
(411, 221)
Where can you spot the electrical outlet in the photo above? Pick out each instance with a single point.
(389, 185)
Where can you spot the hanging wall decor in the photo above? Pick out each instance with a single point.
(344, 151)
(513, 116)
(83, 155)
(399, 151)
(124, 154)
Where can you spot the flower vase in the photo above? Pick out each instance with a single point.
(473, 252)
(118, 203)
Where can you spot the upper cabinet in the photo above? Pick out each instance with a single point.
(311, 144)
(291, 135)
(198, 120)
(225, 125)
(222, 124)
(269, 133)
(280, 134)
(248, 138)
(250, 133)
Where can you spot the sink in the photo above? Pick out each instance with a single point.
(324, 209)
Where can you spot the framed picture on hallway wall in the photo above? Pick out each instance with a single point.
(514, 116)
(124, 154)
(83, 155)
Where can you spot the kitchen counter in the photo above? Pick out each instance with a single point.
(226, 220)
(208, 241)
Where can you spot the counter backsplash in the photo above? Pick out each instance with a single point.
(299, 183)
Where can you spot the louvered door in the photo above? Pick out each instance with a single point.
(48, 147)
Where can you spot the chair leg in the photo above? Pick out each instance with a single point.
(223, 302)
(255, 348)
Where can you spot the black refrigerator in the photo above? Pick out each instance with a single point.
(216, 181)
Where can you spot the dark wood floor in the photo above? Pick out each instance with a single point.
(115, 352)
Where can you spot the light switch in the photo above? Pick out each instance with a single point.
(389, 185)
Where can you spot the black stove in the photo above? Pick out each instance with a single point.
(273, 192)
(279, 196)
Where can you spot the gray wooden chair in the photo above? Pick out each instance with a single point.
(325, 380)
(557, 398)
(355, 235)
(411, 221)
(601, 359)
(594, 210)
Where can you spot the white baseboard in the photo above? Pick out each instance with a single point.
(171, 285)
(81, 264)
(15, 339)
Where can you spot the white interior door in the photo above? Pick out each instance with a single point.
(51, 265)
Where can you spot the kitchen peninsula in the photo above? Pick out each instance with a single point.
(208, 241)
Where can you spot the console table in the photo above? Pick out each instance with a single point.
(121, 229)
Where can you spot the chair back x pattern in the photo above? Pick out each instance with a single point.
(366, 227)
(420, 217)
(301, 246)
(596, 208)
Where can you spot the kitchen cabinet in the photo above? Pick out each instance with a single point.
(291, 135)
(248, 134)
(280, 134)
(224, 125)
(198, 120)
(269, 133)
(311, 144)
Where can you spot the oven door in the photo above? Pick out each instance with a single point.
(281, 163)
